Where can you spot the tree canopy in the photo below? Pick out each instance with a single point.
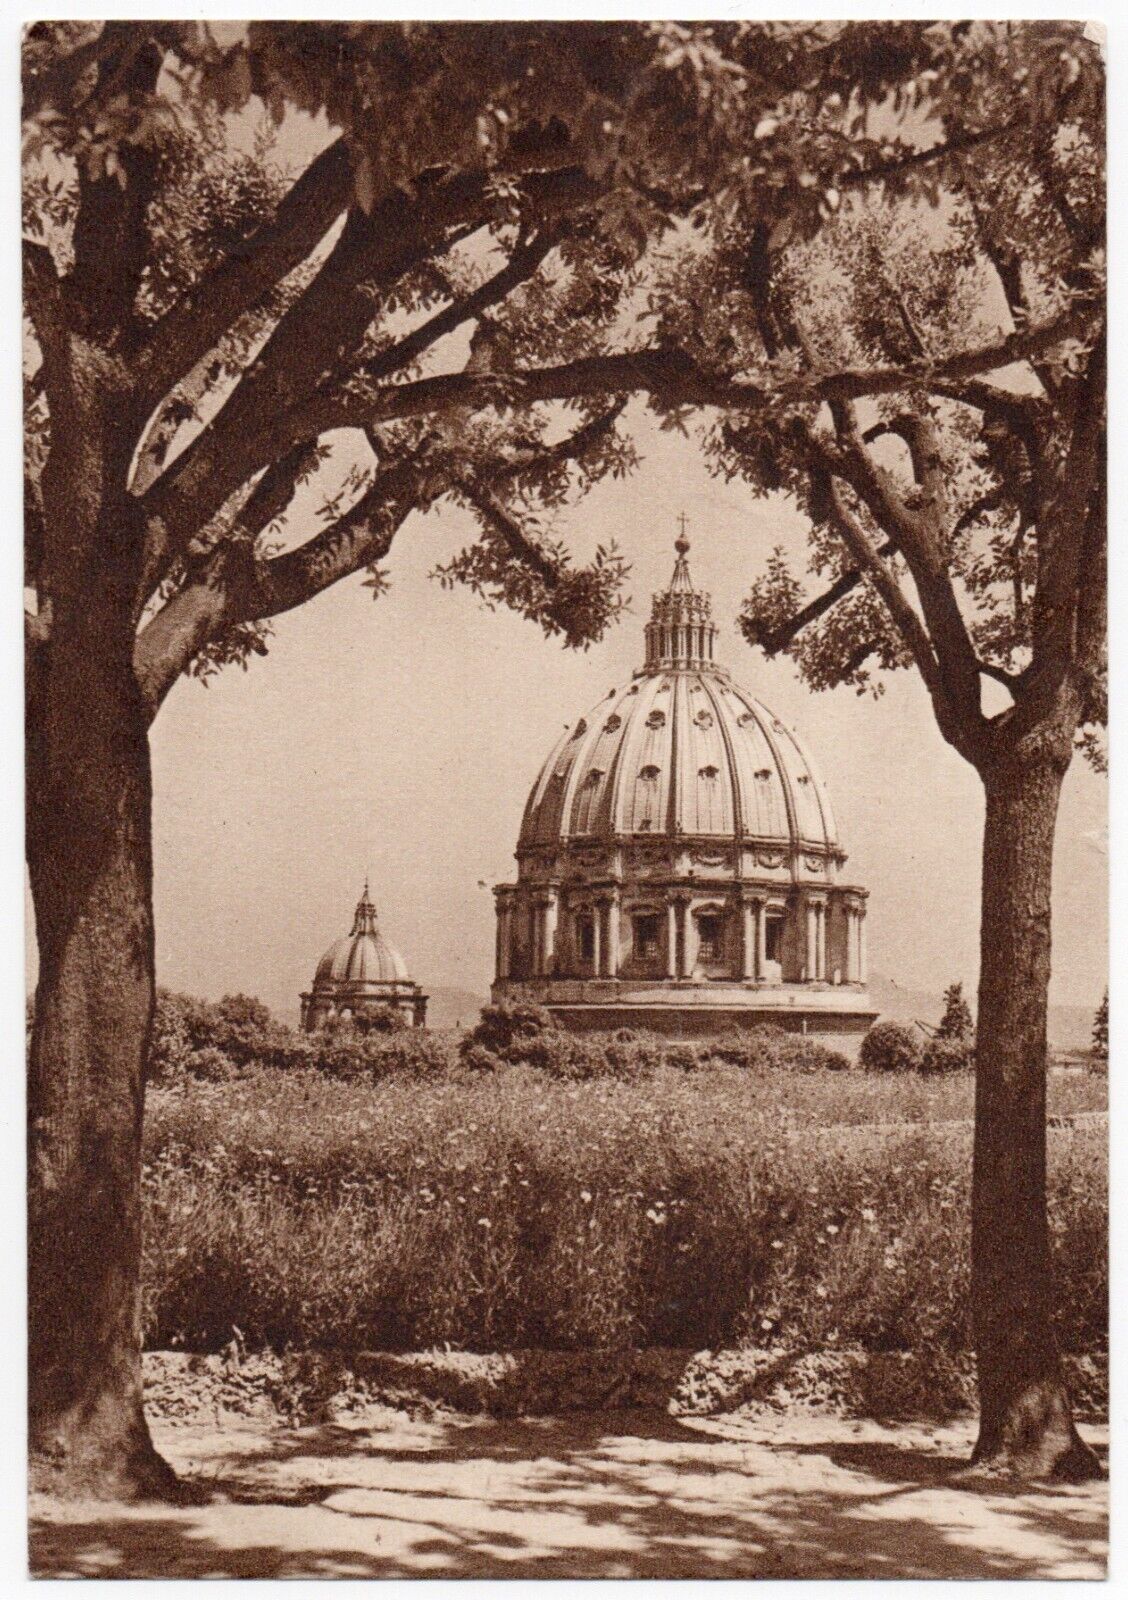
(505, 231)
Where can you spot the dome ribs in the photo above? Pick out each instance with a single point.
(643, 744)
(682, 751)
(359, 973)
(711, 688)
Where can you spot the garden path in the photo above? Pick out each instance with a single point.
(609, 1495)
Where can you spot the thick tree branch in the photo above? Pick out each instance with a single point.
(111, 244)
(1065, 526)
(1011, 681)
(234, 587)
(948, 665)
(960, 144)
(520, 267)
(503, 522)
(46, 309)
(904, 617)
(772, 640)
(230, 586)
(192, 327)
(316, 342)
(669, 375)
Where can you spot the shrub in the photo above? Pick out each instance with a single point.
(1100, 1033)
(956, 1022)
(381, 1019)
(476, 1058)
(631, 1055)
(891, 1047)
(412, 1052)
(947, 1055)
(769, 1048)
(171, 1044)
(210, 1064)
(507, 1031)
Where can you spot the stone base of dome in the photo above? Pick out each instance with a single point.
(838, 1015)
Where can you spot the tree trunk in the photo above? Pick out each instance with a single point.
(90, 863)
(1026, 1423)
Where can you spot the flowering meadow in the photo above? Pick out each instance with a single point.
(507, 1209)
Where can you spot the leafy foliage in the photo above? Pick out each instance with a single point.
(956, 1022)
(950, 1053)
(498, 202)
(200, 1039)
(1014, 235)
(1100, 1030)
(891, 1047)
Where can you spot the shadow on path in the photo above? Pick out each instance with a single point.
(635, 1494)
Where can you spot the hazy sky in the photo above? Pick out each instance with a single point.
(401, 737)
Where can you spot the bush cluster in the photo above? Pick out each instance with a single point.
(526, 1035)
(943, 1055)
(218, 1041)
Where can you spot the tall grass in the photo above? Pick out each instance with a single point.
(511, 1209)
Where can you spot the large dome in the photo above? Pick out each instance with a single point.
(685, 752)
(678, 865)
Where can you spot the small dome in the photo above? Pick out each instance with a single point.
(681, 749)
(362, 956)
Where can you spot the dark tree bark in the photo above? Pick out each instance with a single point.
(90, 863)
(1026, 1422)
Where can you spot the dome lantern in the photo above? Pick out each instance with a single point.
(679, 864)
(365, 919)
(681, 631)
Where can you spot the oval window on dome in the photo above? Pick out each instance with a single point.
(593, 778)
(656, 719)
(581, 729)
(708, 773)
(745, 718)
(613, 721)
(764, 774)
(704, 719)
(649, 774)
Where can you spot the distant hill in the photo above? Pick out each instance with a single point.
(451, 1008)
(1070, 1027)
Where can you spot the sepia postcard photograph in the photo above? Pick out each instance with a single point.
(565, 675)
